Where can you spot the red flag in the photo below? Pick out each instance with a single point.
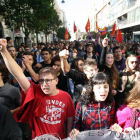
(75, 28)
(87, 26)
(66, 34)
(101, 30)
(113, 29)
(103, 33)
(119, 36)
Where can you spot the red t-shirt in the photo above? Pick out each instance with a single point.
(46, 114)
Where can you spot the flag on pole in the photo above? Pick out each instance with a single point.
(103, 33)
(119, 36)
(87, 26)
(113, 29)
(66, 34)
(99, 29)
(75, 28)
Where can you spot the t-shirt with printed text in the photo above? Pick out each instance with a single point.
(46, 114)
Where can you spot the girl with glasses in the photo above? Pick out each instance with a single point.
(128, 77)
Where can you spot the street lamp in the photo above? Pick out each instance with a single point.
(63, 1)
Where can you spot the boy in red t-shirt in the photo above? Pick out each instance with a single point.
(45, 107)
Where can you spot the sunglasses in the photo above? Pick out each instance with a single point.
(132, 62)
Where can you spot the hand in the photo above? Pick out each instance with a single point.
(105, 42)
(64, 54)
(73, 133)
(116, 128)
(38, 65)
(12, 112)
(137, 75)
(23, 66)
(3, 45)
(98, 34)
(128, 130)
(25, 60)
(114, 92)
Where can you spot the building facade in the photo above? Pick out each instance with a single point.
(126, 14)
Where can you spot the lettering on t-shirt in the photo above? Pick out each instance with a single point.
(54, 109)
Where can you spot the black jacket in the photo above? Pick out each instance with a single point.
(9, 129)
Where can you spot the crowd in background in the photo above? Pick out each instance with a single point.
(84, 69)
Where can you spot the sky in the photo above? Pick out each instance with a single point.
(76, 10)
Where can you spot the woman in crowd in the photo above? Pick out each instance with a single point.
(73, 55)
(128, 115)
(78, 64)
(128, 77)
(108, 67)
(95, 109)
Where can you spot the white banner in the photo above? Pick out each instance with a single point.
(106, 134)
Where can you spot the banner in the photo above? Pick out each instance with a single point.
(106, 134)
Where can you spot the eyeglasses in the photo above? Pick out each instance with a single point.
(132, 62)
(47, 81)
(93, 70)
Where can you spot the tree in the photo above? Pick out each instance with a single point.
(29, 15)
(53, 24)
(61, 33)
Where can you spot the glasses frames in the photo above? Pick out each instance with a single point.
(47, 81)
(132, 62)
(93, 70)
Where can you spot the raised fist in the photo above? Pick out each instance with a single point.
(64, 54)
(105, 42)
(3, 44)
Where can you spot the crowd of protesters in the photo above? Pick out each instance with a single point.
(63, 88)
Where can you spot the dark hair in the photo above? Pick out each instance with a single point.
(22, 44)
(93, 46)
(46, 49)
(99, 78)
(5, 73)
(55, 58)
(136, 48)
(8, 39)
(18, 48)
(26, 46)
(28, 53)
(115, 48)
(114, 74)
(20, 54)
(74, 64)
(42, 44)
(48, 70)
(11, 47)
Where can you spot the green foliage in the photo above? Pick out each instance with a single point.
(53, 24)
(30, 15)
(94, 34)
(61, 33)
(85, 36)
